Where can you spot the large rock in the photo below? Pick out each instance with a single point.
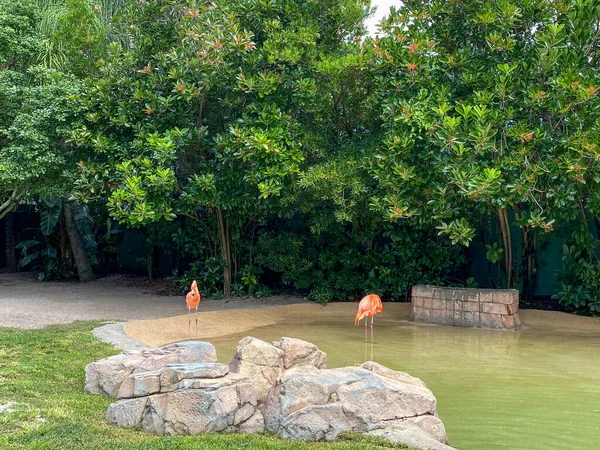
(312, 404)
(140, 384)
(403, 377)
(259, 360)
(225, 404)
(410, 434)
(297, 352)
(178, 353)
(432, 425)
(264, 363)
(127, 413)
(171, 378)
(104, 377)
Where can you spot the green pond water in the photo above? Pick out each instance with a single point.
(538, 388)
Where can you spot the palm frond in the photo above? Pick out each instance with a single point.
(52, 13)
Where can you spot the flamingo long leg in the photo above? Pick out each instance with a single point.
(196, 323)
(372, 340)
(366, 339)
(189, 323)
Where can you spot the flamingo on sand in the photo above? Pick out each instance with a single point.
(368, 307)
(192, 300)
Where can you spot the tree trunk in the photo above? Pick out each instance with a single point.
(225, 252)
(153, 268)
(505, 228)
(529, 262)
(82, 261)
(592, 252)
(149, 266)
(11, 260)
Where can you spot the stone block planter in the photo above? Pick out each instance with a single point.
(466, 307)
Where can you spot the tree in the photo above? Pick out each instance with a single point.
(9, 242)
(492, 110)
(37, 108)
(208, 114)
(82, 262)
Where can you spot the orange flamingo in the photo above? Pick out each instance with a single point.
(368, 307)
(192, 300)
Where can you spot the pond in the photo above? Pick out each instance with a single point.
(538, 388)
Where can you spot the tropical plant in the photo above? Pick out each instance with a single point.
(580, 275)
(74, 33)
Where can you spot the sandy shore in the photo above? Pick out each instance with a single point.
(157, 319)
(217, 324)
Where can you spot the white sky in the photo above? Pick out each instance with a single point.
(383, 7)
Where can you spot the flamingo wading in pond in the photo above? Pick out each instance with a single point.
(192, 300)
(368, 307)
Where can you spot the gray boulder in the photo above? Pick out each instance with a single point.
(178, 353)
(127, 413)
(411, 434)
(265, 363)
(260, 361)
(312, 404)
(226, 404)
(432, 425)
(104, 377)
(297, 352)
(403, 377)
(171, 378)
(140, 384)
(282, 387)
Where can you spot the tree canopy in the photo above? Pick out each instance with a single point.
(275, 145)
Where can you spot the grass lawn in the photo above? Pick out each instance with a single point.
(42, 373)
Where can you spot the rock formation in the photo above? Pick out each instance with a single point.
(283, 387)
(264, 363)
(104, 377)
(312, 404)
(188, 399)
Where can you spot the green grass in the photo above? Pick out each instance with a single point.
(42, 371)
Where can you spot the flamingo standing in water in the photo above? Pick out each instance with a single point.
(192, 300)
(368, 307)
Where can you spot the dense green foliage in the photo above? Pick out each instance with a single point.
(37, 108)
(273, 145)
(498, 110)
(42, 378)
(231, 118)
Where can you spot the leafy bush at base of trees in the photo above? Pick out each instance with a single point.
(340, 265)
(346, 265)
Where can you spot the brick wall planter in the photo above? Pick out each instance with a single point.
(466, 307)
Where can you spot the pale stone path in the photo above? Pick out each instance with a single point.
(28, 303)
